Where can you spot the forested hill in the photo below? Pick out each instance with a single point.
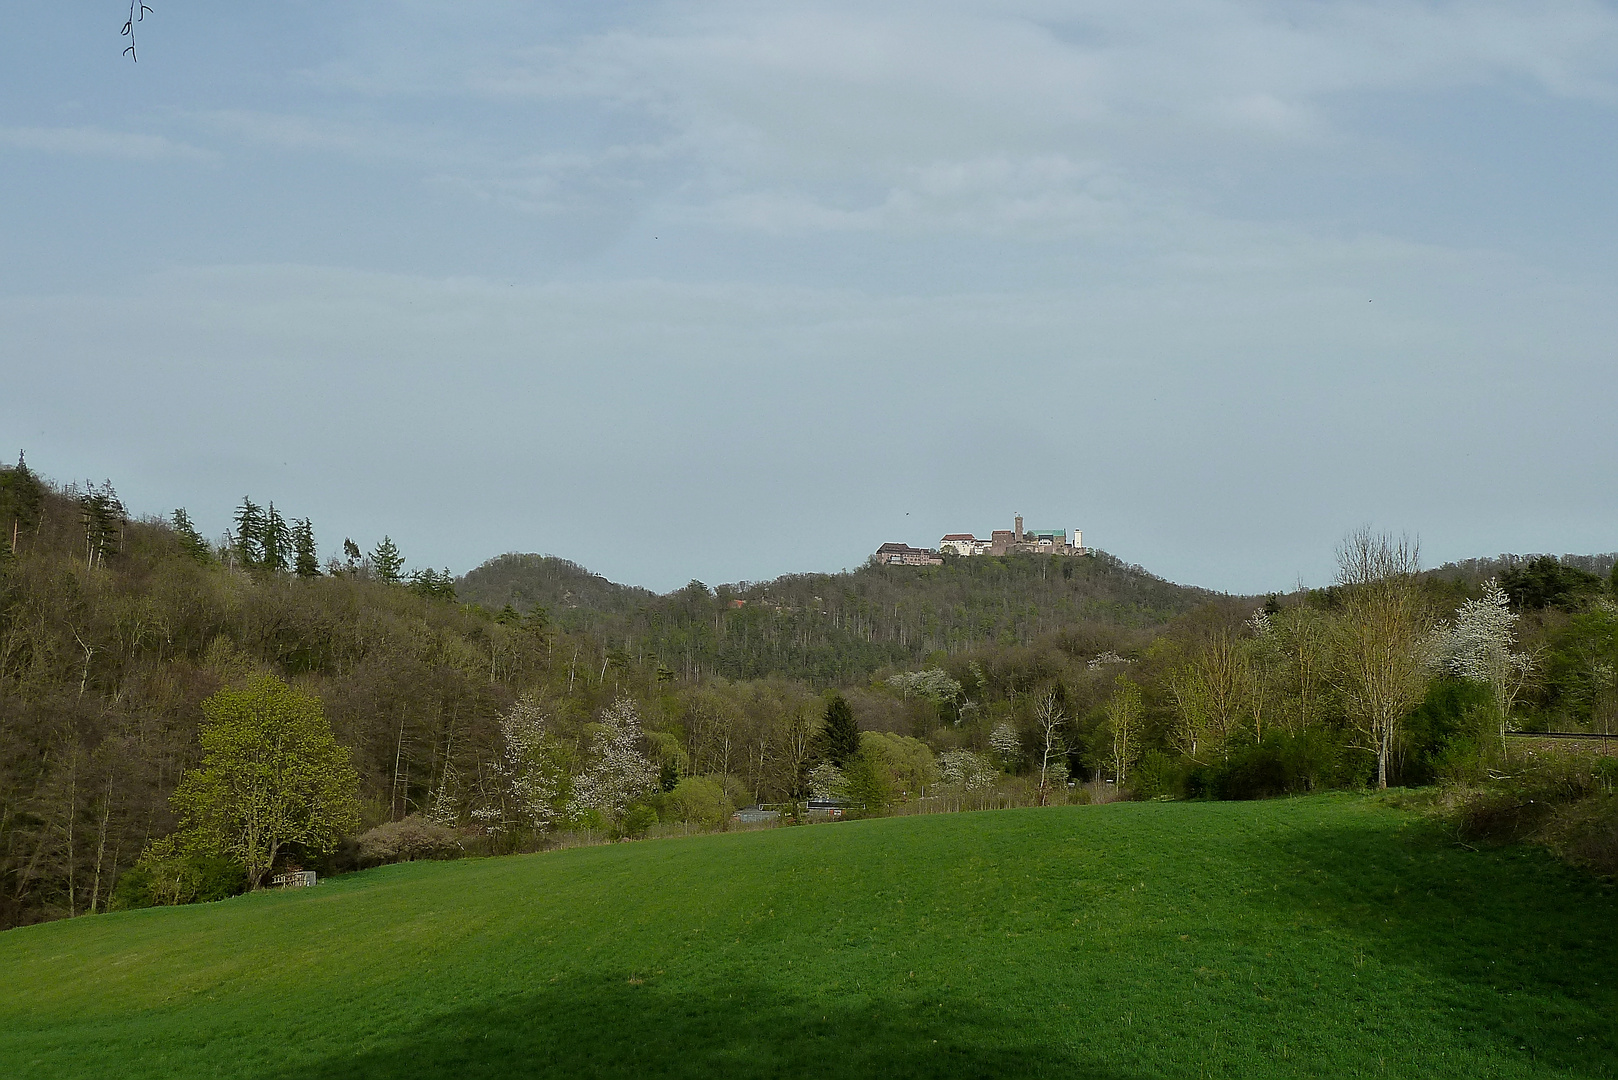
(833, 628)
(559, 586)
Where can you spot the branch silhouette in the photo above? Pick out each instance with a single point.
(137, 14)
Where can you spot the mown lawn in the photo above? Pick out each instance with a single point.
(1328, 936)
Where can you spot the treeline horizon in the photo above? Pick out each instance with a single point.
(1024, 672)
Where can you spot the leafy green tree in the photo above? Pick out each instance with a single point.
(305, 556)
(840, 738)
(271, 775)
(386, 562)
(1122, 727)
(191, 541)
(697, 800)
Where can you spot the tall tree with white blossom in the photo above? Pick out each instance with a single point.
(1479, 647)
(619, 773)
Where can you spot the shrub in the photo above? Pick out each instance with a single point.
(169, 873)
(637, 821)
(1157, 776)
(697, 800)
(408, 840)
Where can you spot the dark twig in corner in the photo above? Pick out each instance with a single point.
(137, 13)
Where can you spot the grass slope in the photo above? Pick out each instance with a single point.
(1328, 936)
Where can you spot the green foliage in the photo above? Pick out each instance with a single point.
(637, 820)
(697, 800)
(1546, 582)
(435, 585)
(103, 517)
(907, 766)
(1454, 734)
(248, 541)
(275, 542)
(271, 775)
(1265, 939)
(171, 872)
(386, 562)
(1285, 763)
(22, 498)
(837, 629)
(840, 735)
(871, 787)
(191, 541)
(305, 557)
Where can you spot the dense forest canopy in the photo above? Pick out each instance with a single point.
(833, 628)
(531, 696)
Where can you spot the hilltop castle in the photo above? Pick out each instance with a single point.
(1012, 541)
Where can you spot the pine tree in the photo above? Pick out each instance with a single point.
(306, 559)
(248, 543)
(386, 562)
(276, 541)
(840, 739)
(22, 497)
(191, 541)
(103, 517)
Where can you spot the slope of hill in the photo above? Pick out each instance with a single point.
(839, 627)
(1324, 936)
(544, 581)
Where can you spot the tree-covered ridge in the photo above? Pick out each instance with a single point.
(833, 628)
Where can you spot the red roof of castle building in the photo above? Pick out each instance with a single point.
(960, 536)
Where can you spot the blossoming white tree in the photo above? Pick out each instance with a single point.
(1007, 743)
(526, 785)
(966, 770)
(618, 773)
(826, 781)
(1478, 647)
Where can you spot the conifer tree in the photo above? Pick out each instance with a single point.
(276, 541)
(22, 497)
(103, 517)
(386, 562)
(840, 738)
(248, 542)
(306, 559)
(191, 541)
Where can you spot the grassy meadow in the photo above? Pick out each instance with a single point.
(1322, 936)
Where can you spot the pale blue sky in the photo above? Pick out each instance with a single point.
(732, 290)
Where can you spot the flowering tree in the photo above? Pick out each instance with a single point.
(933, 684)
(967, 771)
(533, 780)
(1478, 647)
(1007, 743)
(826, 781)
(618, 773)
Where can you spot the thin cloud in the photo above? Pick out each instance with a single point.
(99, 142)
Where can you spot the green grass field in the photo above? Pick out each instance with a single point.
(1328, 936)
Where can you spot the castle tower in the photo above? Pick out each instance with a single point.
(1019, 529)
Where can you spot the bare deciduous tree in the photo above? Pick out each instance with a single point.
(1049, 719)
(1385, 644)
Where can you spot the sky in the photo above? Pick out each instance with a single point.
(730, 290)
